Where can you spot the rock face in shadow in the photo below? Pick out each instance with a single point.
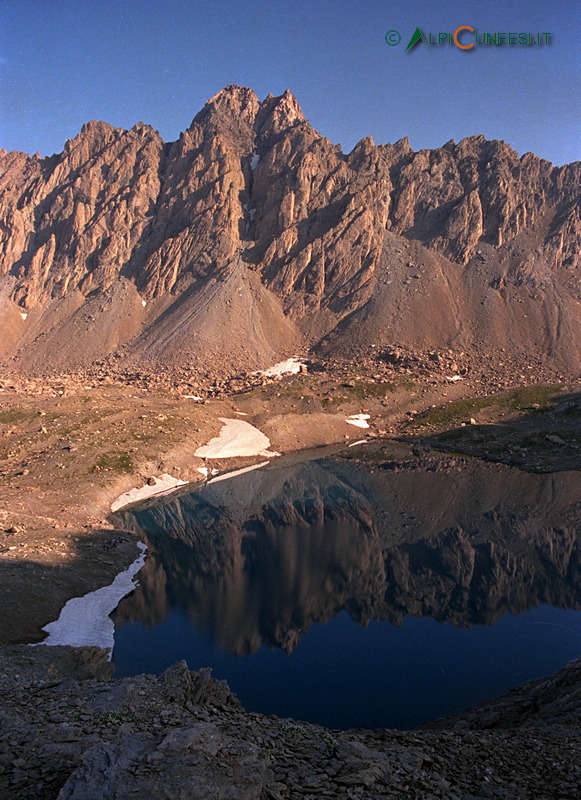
(253, 234)
(195, 759)
(260, 557)
(183, 735)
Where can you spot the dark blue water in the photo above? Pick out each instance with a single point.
(344, 676)
(351, 600)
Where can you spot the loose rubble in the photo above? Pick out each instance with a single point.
(68, 731)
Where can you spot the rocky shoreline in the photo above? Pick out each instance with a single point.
(67, 731)
(69, 448)
(70, 732)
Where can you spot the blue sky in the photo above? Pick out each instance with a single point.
(63, 62)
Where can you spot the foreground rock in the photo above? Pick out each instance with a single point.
(69, 732)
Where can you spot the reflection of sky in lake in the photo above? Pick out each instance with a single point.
(329, 594)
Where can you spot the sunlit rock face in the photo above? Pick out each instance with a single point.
(253, 216)
(261, 557)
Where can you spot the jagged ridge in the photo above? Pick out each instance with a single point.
(466, 246)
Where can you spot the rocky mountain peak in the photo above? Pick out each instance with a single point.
(94, 133)
(144, 130)
(93, 138)
(366, 144)
(253, 207)
(279, 113)
(237, 103)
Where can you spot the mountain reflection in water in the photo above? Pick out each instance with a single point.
(258, 559)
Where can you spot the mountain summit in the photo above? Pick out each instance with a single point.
(252, 236)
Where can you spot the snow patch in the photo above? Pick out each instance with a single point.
(454, 378)
(359, 441)
(289, 367)
(227, 475)
(84, 621)
(164, 483)
(237, 438)
(144, 303)
(191, 397)
(359, 420)
(254, 161)
(205, 471)
(23, 314)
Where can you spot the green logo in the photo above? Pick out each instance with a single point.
(465, 37)
(417, 36)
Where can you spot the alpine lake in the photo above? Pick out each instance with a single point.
(356, 595)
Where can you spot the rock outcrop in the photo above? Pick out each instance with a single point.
(253, 235)
(72, 736)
